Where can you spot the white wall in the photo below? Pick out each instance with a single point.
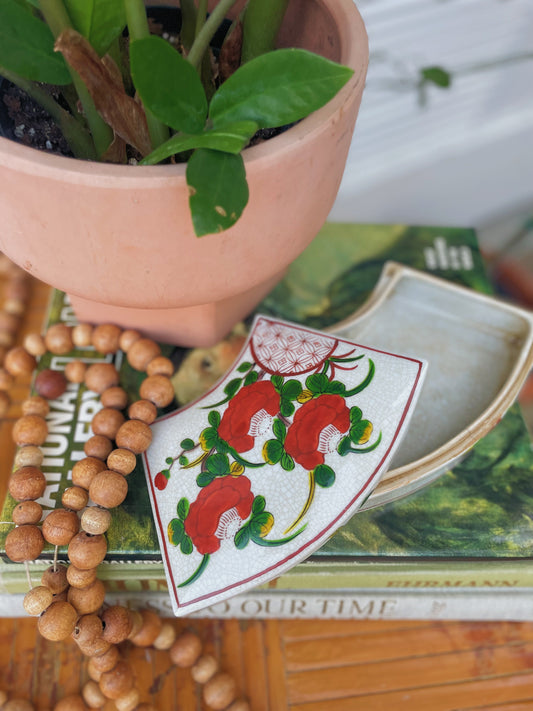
(465, 157)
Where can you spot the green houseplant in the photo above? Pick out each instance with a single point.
(206, 134)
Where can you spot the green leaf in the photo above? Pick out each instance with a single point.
(217, 464)
(317, 383)
(218, 190)
(175, 531)
(287, 462)
(291, 389)
(187, 444)
(169, 461)
(232, 387)
(245, 367)
(278, 88)
(264, 518)
(324, 476)
(360, 431)
(277, 382)
(168, 84)
(242, 537)
(183, 461)
(279, 429)
(286, 408)
(336, 388)
(437, 75)
(214, 418)
(258, 504)
(230, 139)
(355, 414)
(27, 46)
(100, 21)
(210, 438)
(186, 546)
(204, 479)
(183, 508)
(344, 446)
(252, 377)
(272, 451)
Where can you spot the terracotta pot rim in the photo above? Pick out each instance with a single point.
(26, 159)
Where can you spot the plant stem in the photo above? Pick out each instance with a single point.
(201, 43)
(138, 29)
(188, 22)
(201, 16)
(262, 21)
(78, 139)
(57, 19)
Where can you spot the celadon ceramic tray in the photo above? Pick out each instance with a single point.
(479, 352)
(253, 477)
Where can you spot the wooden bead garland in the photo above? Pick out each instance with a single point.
(70, 600)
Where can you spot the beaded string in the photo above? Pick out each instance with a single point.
(69, 602)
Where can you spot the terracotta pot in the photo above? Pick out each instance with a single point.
(119, 239)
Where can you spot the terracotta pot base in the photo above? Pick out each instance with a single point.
(188, 326)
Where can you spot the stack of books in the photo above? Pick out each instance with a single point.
(459, 548)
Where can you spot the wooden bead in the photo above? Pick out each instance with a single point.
(220, 691)
(205, 668)
(58, 621)
(104, 662)
(143, 410)
(158, 389)
(141, 352)
(98, 446)
(118, 623)
(150, 629)
(37, 600)
(118, 681)
(18, 361)
(84, 471)
(108, 488)
(166, 637)
(127, 339)
(107, 422)
(30, 429)
(122, 461)
(60, 526)
(186, 650)
(87, 600)
(75, 371)
(24, 543)
(115, 397)
(27, 512)
(86, 551)
(5, 403)
(36, 405)
(82, 335)
(73, 702)
(58, 339)
(135, 436)
(88, 636)
(29, 456)
(34, 344)
(15, 307)
(9, 322)
(6, 379)
(6, 339)
(160, 366)
(75, 498)
(92, 695)
(106, 338)
(27, 484)
(55, 579)
(78, 578)
(95, 520)
(50, 384)
(136, 623)
(100, 376)
(18, 705)
(128, 701)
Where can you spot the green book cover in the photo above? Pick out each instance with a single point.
(444, 534)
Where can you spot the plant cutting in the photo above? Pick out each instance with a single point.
(145, 102)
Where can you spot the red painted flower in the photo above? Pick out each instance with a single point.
(218, 512)
(160, 481)
(316, 425)
(251, 406)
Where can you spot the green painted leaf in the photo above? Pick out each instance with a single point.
(27, 46)
(272, 451)
(186, 546)
(218, 190)
(175, 531)
(169, 460)
(183, 508)
(280, 430)
(437, 75)
(204, 479)
(100, 21)
(183, 461)
(168, 84)
(355, 414)
(277, 382)
(209, 438)
(214, 418)
(291, 389)
(317, 383)
(278, 88)
(336, 388)
(252, 377)
(242, 537)
(324, 476)
(361, 431)
(286, 408)
(217, 464)
(232, 387)
(344, 446)
(187, 444)
(245, 367)
(258, 504)
(287, 462)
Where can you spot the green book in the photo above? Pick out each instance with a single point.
(471, 528)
